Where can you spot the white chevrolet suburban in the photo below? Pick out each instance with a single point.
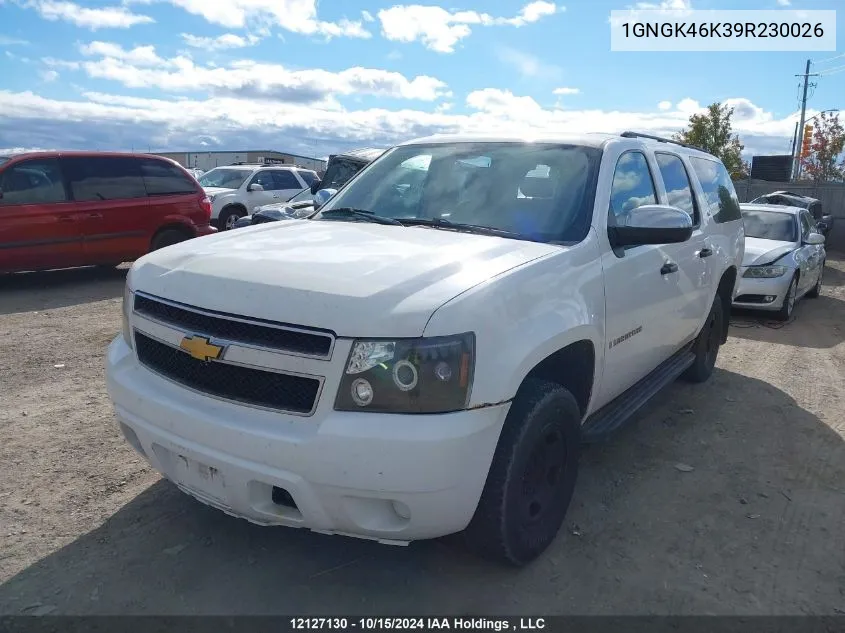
(427, 354)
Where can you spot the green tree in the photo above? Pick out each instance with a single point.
(824, 163)
(712, 131)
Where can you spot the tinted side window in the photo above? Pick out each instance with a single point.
(632, 186)
(718, 189)
(677, 183)
(33, 182)
(104, 178)
(308, 177)
(286, 180)
(161, 179)
(266, 180)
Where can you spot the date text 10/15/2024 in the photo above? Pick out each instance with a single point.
(417, 624)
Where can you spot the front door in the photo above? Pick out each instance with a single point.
(809, 256)
(39, 228)
(643, 285)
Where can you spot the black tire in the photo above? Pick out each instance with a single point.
(817, 289)
(516, 521)
(785, 313)
(229, 216)
(707, 343)
(168, 237)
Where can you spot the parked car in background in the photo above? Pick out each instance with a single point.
(784, 258)
(233, 189)
(67, 209)
(427, 354)
(340, 169)
(196, 173)
(823, 221)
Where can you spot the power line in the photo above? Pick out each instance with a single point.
(829, 59)
(832, 71)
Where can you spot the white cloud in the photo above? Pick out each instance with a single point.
(102, 120)
(440, 30)
(666, 5)
(664, 105)
(142, 67)
(527, 64)
(784, 3)
(49, 75)
(97, 18)
(566, 91)
(5, 40)
(227, 40)
(139, 56)
(367, 16)
(295, 16)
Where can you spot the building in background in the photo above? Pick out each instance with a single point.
(210, 160)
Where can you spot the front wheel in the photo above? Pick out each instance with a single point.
(785, 312)
(532, 476)
(706, 346)
(228, 217)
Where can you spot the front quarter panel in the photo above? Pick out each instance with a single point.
(523, 316)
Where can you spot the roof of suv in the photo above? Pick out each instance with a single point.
(587, 139)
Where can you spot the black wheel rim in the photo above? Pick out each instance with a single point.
(543, 476)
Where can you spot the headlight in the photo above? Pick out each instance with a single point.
(765, 272)
(422, 375)
(128, 297)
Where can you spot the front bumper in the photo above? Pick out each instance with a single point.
(392, 478)
(754, 294)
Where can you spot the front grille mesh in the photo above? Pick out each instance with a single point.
(297, 394)
(316, 344)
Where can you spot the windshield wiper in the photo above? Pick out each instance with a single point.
(457, 226)
(359, 214)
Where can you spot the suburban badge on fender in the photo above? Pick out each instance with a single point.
(201, 348)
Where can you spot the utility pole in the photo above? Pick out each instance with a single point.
(797, 157)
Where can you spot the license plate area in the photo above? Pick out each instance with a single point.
(191, 473)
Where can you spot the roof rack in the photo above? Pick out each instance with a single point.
(661, 139)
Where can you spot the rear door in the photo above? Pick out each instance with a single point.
(38, 224)
(112, 204)
(809, 256)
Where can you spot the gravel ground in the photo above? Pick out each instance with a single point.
(724, 498)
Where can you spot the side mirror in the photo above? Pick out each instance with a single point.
(814, 239)
(322, 197)
(315, 186)
(651, 224)
(255, 187)
(821, 227)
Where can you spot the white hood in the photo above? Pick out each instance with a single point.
(357, 279)
(213, 191)
(759, 251)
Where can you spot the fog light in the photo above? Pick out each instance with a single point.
(362, 392)
(402, 510)
(405, 375)
(769, 298)
(443, 372)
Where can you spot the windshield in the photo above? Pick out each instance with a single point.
(541, 192)
(226, 178)
(770, 225)
(339, 172)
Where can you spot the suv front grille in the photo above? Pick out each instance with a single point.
(285, 392)
(316, 344)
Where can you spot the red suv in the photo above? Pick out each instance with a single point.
(66, 209)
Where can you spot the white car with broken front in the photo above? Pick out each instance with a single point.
(427, 354)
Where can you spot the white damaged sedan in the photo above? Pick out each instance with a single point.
(784, 259)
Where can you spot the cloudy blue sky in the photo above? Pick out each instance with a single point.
(315, 77)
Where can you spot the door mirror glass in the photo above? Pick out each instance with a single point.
(255, 187)
(315, 186)
(651, 224)
(814, 239)
(322, 196)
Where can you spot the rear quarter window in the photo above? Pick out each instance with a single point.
(718, 189)
(164, 179)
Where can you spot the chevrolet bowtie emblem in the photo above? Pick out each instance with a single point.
(201, 348)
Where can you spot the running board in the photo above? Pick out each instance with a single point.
(604, 422)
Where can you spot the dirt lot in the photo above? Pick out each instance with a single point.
(757, 527)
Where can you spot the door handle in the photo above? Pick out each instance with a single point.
(66, 218)
(95, 216)
(669, 267)
(705, 252)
